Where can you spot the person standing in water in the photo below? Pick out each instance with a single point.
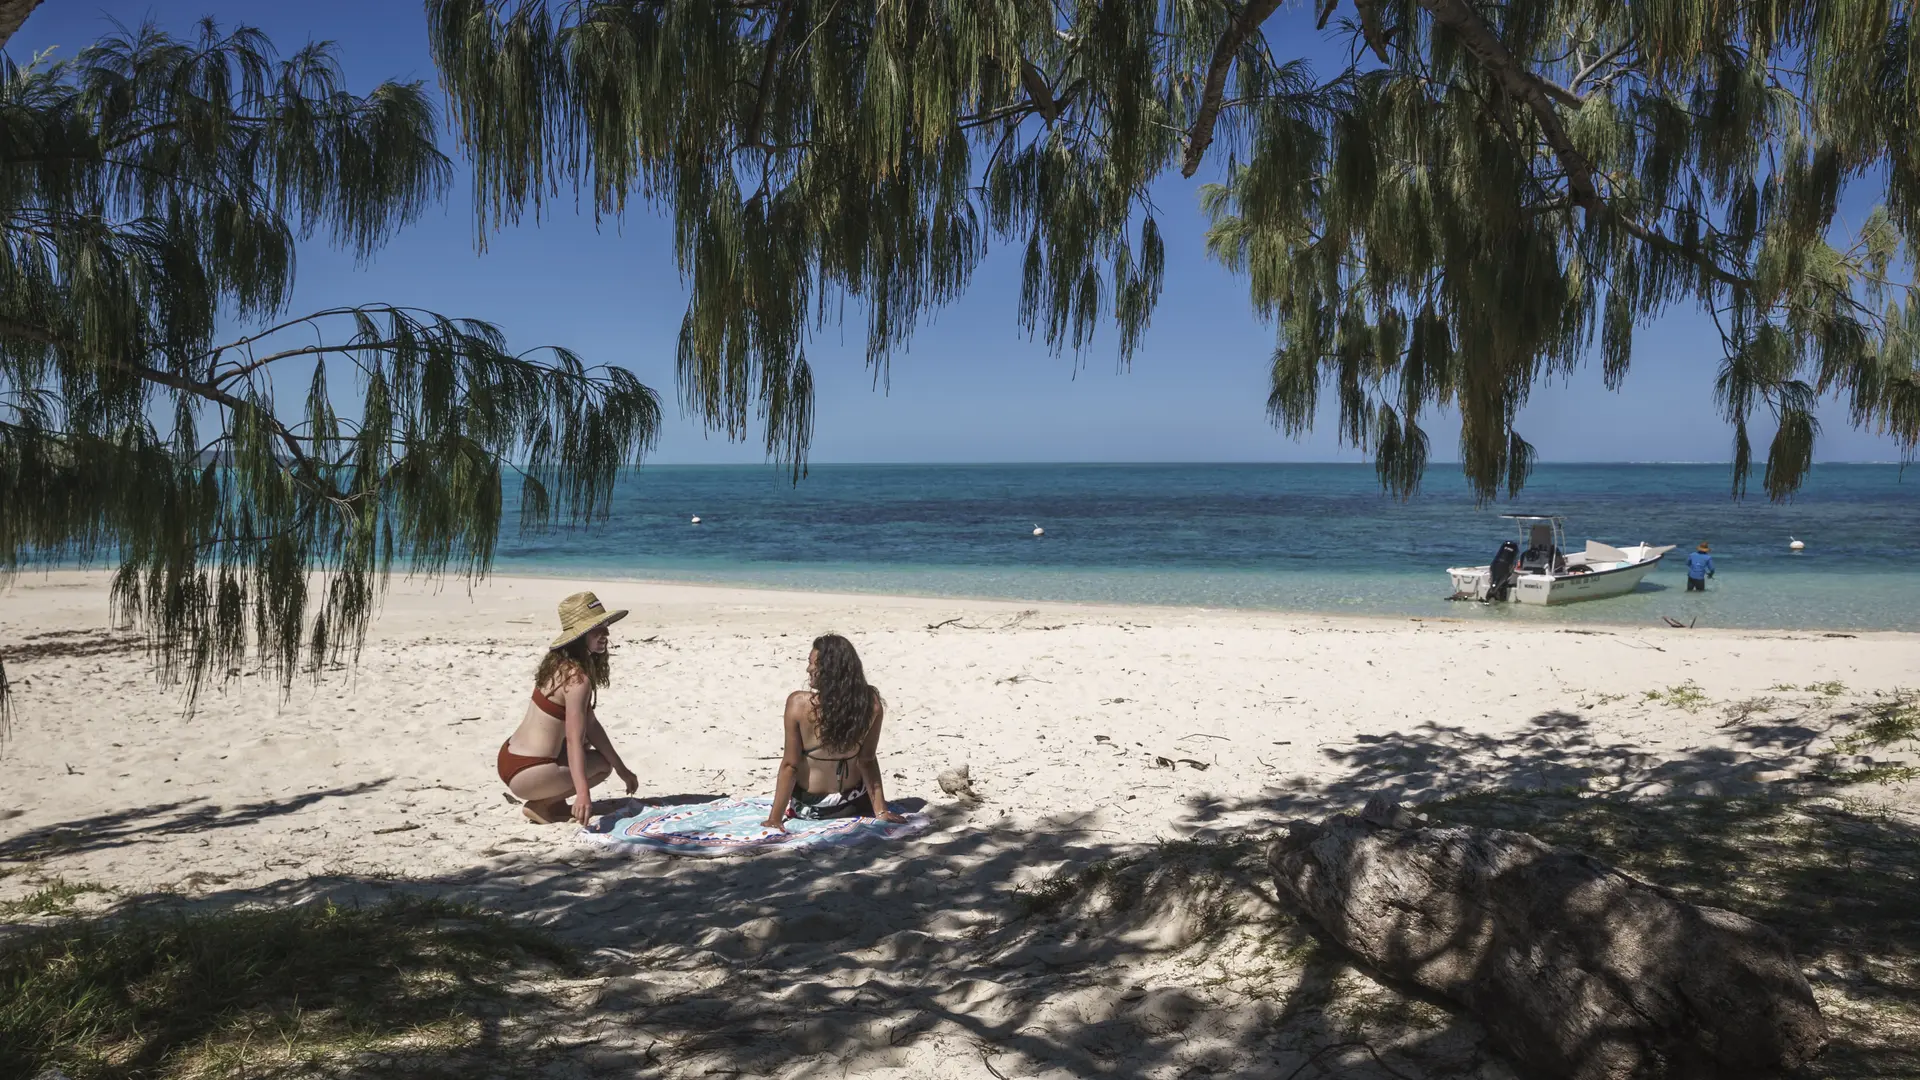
(560, 746)
(1699, 568)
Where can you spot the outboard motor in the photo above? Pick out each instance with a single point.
(1500, 573)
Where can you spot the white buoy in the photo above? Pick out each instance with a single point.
(696, 519)
(1796, 545)
(1038, 531)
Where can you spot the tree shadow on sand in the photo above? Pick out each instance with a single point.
(1055, 953)
(1746, 826)
(125, 827)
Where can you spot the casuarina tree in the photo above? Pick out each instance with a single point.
(1481, 197)
(153, 192)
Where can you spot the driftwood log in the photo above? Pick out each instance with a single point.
(1576, 969)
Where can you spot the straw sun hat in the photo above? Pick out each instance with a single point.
(581, 613)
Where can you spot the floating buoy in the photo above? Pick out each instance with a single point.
(1795, 545)
(696, 519)
(1038, 531)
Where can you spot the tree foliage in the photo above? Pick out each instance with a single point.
(152, 195)
(1486, 196)
(1517, 187)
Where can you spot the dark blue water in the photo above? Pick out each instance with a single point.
(1297, 537)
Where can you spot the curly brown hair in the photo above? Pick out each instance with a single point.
(844, 704)
(562, 665)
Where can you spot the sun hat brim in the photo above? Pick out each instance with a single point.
(568, 637)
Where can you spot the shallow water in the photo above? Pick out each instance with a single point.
(1294, 537)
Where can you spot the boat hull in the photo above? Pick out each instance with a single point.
(1550, 589)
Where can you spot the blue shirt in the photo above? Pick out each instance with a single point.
(1699, 565)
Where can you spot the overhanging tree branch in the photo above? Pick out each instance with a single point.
(1528, 89)
(13, 13)
(1200, 134)
(750, 130)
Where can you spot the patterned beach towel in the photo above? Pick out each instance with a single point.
(733, 827)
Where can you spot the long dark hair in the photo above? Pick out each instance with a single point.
(561, 665)
(845, 702)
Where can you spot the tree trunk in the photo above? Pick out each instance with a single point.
(12, 14)
(1576, 969)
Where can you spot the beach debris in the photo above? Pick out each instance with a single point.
(1011, 622)
(958, 783)
(1103, 738)
(1203, 735)
(1577, 969)
(1016, 679)
(1201, 765)
(1163, 762)
(1113, 701)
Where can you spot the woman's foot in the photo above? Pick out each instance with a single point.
(546, 811)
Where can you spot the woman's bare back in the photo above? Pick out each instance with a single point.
(828, 768)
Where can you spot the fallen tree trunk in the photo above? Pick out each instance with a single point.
(1576, 969)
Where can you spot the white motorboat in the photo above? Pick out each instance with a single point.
(1544, 572)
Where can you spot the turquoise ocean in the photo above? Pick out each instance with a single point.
(1297, 537)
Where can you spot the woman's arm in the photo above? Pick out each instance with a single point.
(575, 692)
(789, 760)
(602, 743)
(869, 765)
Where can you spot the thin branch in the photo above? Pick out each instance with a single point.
(243, 370)
(750, 131)
(1005, 112)
(309, 318)
(204, 391)
(1617, 52)
(218, 396)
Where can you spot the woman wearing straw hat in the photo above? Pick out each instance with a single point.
(560, 746)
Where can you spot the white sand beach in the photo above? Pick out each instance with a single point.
(1091, 732)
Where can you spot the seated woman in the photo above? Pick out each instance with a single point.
(560, 746)
(831, 767)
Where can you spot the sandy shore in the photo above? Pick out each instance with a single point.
(1090, 732)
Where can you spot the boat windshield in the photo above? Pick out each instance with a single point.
(1543, 543)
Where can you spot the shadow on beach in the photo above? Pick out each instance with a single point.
(119, 829)
(1040, 952)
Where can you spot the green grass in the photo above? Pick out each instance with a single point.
(53, 899)
(254, 993)
(1886, 723)
(1685, 696)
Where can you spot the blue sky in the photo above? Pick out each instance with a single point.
(971, 388)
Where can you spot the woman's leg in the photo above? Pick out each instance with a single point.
(544, 788)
